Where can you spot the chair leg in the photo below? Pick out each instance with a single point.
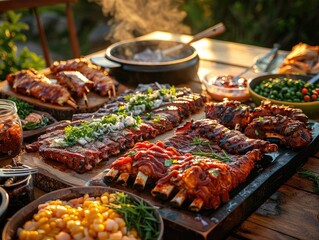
(43, 38)
(72, 31)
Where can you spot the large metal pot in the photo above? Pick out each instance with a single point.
(147, 61)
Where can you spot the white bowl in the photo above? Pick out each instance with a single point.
(219, 93)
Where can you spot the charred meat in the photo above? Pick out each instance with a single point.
(268, 109)
(76, 82)
(102, 82)
(204, 181)
(37, 85)
(231, 114)
(140, 117)
(232, 141)
(292, 133)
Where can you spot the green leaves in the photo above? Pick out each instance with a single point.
(137, 215)
(311, 176)
(11, 32)
(32, 125)
(198, 141)
(23, 108)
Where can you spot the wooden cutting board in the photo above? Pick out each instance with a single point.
(95, 101)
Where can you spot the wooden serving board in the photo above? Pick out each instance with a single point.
(67, 176)
(270, 173)
(95, 101)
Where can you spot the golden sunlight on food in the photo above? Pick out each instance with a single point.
(153, 138)
(303, 59)
(111, 216)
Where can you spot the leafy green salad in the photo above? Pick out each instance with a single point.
(29, 119)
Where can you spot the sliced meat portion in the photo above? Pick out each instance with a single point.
(103, 83)
(32, 83)
(232, 141)
(268, 109)
(291, 133)
(231, 114)
(76, 82)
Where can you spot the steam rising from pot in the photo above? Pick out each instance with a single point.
(133, 18)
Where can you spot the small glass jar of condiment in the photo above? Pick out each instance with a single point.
(11, 134)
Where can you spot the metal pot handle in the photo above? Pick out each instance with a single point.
(104, 62)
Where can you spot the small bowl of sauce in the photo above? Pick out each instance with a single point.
(224, 86)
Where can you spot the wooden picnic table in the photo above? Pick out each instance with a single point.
(291, 212)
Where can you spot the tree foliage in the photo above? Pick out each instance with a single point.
(10, 61)
(258, 22)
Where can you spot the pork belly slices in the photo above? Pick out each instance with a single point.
(37, 85)
(291, 133)
(144, 162)
(231, 114)
(103, 83)
(206, 182)
(232, 141)
(268, 109)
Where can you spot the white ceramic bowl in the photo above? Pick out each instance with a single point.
(219, 93)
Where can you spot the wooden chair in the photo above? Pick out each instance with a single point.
(6, 5)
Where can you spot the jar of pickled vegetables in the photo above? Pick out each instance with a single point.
(11, 134)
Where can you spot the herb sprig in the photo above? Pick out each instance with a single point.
(94, 130)
(137, 215)
(212, 154)
(311, 176)
(197, 141)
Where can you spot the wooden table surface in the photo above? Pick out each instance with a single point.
(293, 211)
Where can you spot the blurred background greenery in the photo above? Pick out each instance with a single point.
(257, 22)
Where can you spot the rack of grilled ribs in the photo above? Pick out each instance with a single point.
(86, 154)
(35, 84)
(102, 82)
(290, 132)
(266, 121)
(184, 99)
(267, 108)
(232, 141)
(114, 132)
(204, 181)
(211, 160)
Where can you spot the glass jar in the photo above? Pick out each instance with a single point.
(11, 134)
